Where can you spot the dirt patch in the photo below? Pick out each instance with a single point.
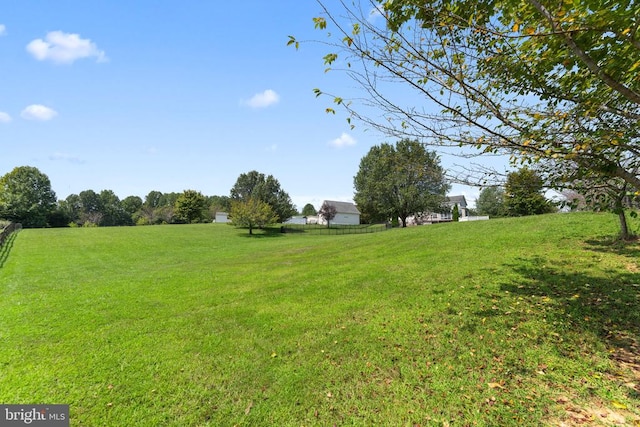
(632, 267)
(600, 413)
(597, 414)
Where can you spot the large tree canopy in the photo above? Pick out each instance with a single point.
(540, 81)
(26, 197)
(255, 185)
(399, 181)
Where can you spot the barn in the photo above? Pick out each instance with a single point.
(346, 214)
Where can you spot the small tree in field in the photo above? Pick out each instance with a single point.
(328, 212)
(524, 194)
(491, 202)
(190, 206)
(456, 213)
(251, 213)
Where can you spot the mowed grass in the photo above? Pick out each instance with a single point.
(524, 321)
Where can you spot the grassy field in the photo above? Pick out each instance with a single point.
(524, 321)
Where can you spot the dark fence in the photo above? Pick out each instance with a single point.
(334, 229)
(6, 231)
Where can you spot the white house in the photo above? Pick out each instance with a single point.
(222, 217)
(451, 201)
(447, 215)
(346, 214)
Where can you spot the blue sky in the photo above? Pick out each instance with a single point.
(135, 96)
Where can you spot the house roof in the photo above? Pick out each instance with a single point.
(344, 207)
(457, 199)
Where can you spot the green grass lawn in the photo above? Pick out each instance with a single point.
(523, 321)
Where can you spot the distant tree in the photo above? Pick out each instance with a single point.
(456, 213)
(158, 208)
(113, 213)
(219, 203)
(251, 213)
(254, 185)
(26, 197)
(524, 194)
(190, 207)
(490, 202)
(153, 199)
(309, 210)
(169, 199)
(399, 181)
(328, 212)
(164, 215)
(132, 204)
(91, 209)
(71, 207)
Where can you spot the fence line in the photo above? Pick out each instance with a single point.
(6, 232)
(334, 229)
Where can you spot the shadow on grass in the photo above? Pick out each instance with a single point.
(614, 245)
(599, 303)
(5, 249)
(605, 303)
(259, 233)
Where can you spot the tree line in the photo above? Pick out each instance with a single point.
(26, 196)
(394, 182)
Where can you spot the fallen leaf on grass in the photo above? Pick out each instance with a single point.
(618, 405)
(248, 409)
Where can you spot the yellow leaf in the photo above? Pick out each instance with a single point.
(618, 405)
(516, 27)
(495, 385)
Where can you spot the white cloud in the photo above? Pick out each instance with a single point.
(344, 140)
(64, 48)
(4, 117)
(38, 112)
(264, 99)
(3, 30)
